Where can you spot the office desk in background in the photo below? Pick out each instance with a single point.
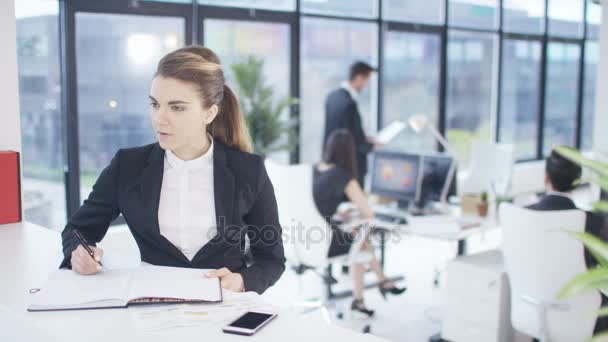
(29, 253)
(383, 229)
(409, 229)
(426, 231)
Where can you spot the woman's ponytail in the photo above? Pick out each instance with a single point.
(229, 125)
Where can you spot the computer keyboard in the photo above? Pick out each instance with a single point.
(390, 218)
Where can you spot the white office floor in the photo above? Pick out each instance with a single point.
(412, 316)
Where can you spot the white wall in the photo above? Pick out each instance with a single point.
(10, 127)
(600, 145)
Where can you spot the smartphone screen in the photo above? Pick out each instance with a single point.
(250, 320)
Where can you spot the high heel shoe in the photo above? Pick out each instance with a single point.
(357, 305)
(393, 290)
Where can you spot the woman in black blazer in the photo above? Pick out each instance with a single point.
(192, 110)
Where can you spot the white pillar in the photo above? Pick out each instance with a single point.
(600, 135)
(10, 127)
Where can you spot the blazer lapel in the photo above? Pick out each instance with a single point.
(223, 188)
(223, 193)
(150, 185)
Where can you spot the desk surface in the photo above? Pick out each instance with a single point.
(29, 253)
(486, 224)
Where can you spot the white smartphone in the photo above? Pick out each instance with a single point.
(249, 323)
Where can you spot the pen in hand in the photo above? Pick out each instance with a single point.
(83, 242)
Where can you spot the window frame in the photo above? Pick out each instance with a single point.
(194, 15)
(67, 33)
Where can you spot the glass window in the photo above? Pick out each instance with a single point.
(594, 19)
(520, 94)
(411, 84)
(416, 11)
(328, 48)
(352, 8)
(525, 16)
(565, 18)
(39, 74)
(592, 55)
(277, 5)
(116, 56)
(473, 13)
(561, 95)
(470, 89)
(174, 1)
(235, 41)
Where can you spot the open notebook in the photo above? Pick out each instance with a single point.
(68, 290)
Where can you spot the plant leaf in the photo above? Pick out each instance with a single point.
(602, 312)
(602, 181)
(577, 157)
(601, 206)
(594, 279)
(595, 246)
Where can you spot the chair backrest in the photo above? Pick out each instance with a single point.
(306, 234)
(540, 258)
(491, 163)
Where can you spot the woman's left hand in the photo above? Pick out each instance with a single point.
(229, 281)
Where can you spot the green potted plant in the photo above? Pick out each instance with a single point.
(269, 131)
(597, 278)
(482, 206)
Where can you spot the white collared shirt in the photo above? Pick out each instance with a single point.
(353, 93)
(186, 212)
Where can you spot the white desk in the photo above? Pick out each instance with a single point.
(486, 224)
(29, 253)
(460, 236)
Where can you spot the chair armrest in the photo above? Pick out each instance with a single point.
(544, 306)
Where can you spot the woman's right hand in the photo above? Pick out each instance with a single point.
(83, 263)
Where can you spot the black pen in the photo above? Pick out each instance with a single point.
(83, 242)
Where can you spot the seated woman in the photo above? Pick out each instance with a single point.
(335, 181)
(192, 197)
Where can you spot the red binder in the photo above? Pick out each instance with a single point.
(10, 187)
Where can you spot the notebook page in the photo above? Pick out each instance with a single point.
(389, 132)
(68, 288)
(173, 282)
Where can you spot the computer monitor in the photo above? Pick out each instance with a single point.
(435, 171)
(396, 175)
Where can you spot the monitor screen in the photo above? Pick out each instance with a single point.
(435, 169)
(395, 175)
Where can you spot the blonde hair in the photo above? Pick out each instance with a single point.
(201, 66)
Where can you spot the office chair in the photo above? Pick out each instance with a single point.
(306, 234)
(540, 258)
(490, 168)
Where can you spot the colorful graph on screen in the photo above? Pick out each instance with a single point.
(397, 175)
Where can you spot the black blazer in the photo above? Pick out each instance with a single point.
(593, 222)
(341, 111)
(244, 204)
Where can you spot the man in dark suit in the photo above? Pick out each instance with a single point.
(560, 177)
(341, 111)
